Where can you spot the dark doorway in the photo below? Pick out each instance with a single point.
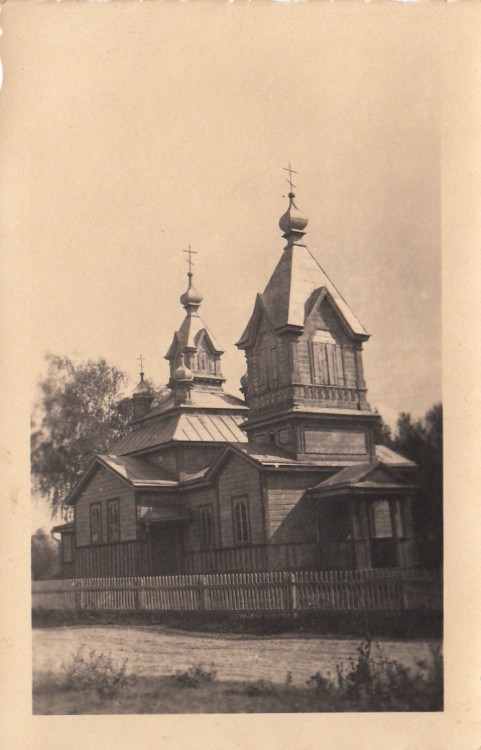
(167, 542)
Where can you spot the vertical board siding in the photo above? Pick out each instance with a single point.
(349, 590)
(102, 487)
(238, 477)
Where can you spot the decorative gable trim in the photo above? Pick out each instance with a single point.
(249, 336)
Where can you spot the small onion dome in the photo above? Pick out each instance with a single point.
(192, 296)
(142, 389)
(182, 372)
(292, 221)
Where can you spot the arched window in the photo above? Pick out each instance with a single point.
(241, 521)
(272, 438)
(203, 362)
(206, 526)
(113, 520)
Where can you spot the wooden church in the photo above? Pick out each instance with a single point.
(287, 478)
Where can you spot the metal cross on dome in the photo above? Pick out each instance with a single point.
(190, 253)
(141, 362)
(291, 172)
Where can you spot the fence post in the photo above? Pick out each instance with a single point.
(203, 594)
(293, 593)
(78, 602)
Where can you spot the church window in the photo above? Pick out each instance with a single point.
(113, 520)
(203, 361)
(327, 360)
(241, 521)
(95, 523)
(267, 366)
(381, 521)
(206, 526)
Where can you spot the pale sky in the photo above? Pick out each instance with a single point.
(129, 140)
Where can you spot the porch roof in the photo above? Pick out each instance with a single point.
(374, 477)
(167, 514)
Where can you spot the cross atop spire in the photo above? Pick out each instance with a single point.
(190, 253)
(141, 363)
(291, 172)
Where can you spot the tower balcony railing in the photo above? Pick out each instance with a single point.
(308, 394)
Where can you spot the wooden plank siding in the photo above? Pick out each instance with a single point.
(105, 486)
(112, 560)
(239, 478)
(290, 518)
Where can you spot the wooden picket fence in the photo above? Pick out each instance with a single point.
(349, 590)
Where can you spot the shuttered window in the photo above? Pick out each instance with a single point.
(206, 526)
(327, 363)
(241, 521)
(95, 523)
(113, 520)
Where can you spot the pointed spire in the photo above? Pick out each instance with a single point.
(292, 223)
(191, 298)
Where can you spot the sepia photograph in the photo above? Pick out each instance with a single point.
(234, 370)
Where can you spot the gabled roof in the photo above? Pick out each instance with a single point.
(137, 473)
(393, 459)
(268, 456)
(295, 278)
(187, 337)
(365, 477)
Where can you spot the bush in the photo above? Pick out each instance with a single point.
(372, 682)
(98, 672)
(195, 676)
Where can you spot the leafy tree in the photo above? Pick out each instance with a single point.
(422, 442)
(382, 432)
(44, 556)
(82, 411)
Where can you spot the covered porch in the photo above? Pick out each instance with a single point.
(364, 519)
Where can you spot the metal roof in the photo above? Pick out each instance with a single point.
(295, 278)
(365, 476)
(171, 513)
(391, 458)
(190, 427)
(138, 471)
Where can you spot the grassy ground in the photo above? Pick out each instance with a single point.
(162, 696)
(92, 683)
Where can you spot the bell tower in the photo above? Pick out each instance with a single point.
(304, 385)
(194, 347)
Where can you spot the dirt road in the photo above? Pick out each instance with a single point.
(151, 651)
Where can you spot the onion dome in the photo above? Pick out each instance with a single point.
(142, 389)
(292, 223)
(182, 372)
(191, 297)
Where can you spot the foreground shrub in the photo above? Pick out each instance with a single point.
(88, 670)
(196, 675)
(371, 682)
